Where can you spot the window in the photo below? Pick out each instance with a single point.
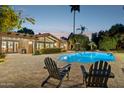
(10, 46)
(3, 44)
(51, 45)
(47, 45)
(16, 46)
(40, 45)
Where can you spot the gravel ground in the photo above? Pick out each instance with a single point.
(26, 71)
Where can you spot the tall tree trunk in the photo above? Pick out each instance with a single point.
(74, 23)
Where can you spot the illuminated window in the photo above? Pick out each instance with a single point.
(47, 45)
(10, 46)
(51, 45)
(3, 46)
(40, 45)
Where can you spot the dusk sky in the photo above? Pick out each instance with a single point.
(58, 20)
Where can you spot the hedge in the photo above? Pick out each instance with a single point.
(2, 55)
(37, 53)
(50, 50)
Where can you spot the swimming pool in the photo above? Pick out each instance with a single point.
(87, 57)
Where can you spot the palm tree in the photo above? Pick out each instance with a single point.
(24, 19)
(82, 29)
(92, 45)
(74, 8)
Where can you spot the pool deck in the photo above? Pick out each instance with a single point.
(25, 70)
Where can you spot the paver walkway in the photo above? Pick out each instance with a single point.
(25, 70)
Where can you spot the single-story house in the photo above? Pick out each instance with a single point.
(13, 42)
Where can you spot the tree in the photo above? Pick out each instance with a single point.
(107, 43)
(23, 19)
(82, 29)
(74, 8)
(11, 19)
(115, 38)
(117, 31)
(79, 42)
(8, 18)
(26, 31)
(94, 38)
(92, 45)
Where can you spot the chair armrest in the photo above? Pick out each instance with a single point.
(111, 75)
(83, 69)
(44, 67)
(67, 67)
(84, 72)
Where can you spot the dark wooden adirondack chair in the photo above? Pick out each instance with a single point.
(55, 72)
(98, 74)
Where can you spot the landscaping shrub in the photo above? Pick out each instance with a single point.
(107, 43)
(37, 52)
(50, 50)
(63, 50)
(2, 55)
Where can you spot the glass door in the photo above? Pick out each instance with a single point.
(16, 46)
(10, 47)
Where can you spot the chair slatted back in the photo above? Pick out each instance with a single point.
(98, 74)
(52, 68)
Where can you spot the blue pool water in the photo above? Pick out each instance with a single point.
(87, 57)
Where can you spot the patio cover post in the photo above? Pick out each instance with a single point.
(44, 42)
(35, 46)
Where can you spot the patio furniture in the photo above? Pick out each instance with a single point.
(98, 74)
(55, 72)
